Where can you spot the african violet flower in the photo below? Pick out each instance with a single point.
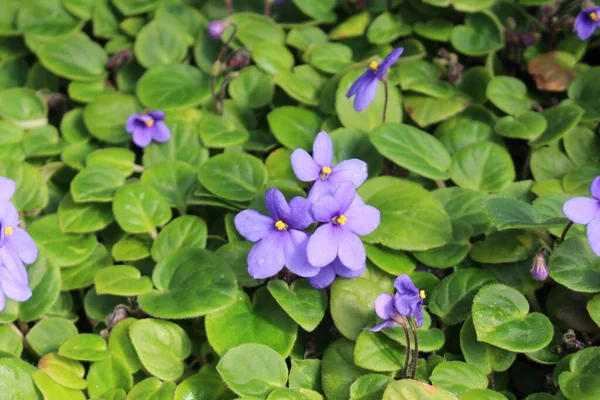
(327, 274)
(583, 210)
(587, 22)
(216, 28)
(365, 87)
(320, 169)
(16, 248)
(344, 223)
(279, 242)
(147, 127)
(407, 301)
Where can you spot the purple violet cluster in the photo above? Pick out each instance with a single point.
(406, 302)
(335, 247)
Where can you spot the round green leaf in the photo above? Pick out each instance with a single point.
(23, 107)
(528, 125)
(369, 387)
(106, 115)
(32, 190)
(140, 209)
(481, 34)
(585, 93)
(96, 184)
(252, 88)
(294, 127)
(44, 281)
(159, 43)
(483, 166)
(329, 57)
(352, 302)
(152, 388)
(122, 159)
(426, 111)
(574, 265)
(49, 334)
(300, 301)
(185, 232)
(218, 132)
(120, 345)
(205, 385)
(107, 374)
(84, 347)
(386, 28)
(338, 370)
(161, 346)
(272, 58)
(581, 380)
(255, 29)
(302, 84)
(189, 283)
(485, 357)
(561, 120)
(50, 389)
(509, 94)
(122, 280)
(377, 352)
(253, 370)
(581, 144)
(16, 381)
(83, 217)
(11, 343)
(64, 371)
(82, 273)
(412, 389)
(174, 180)
(458, 376)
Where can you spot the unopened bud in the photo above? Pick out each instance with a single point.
(239, 59)
(217, 27)
(539, 271)
(120, 312)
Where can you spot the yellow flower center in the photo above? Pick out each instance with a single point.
(594, 16)
(341, 220)
(325, 172)
(280, 225)
(422, 294)
(150, 123)
(374, 65)
(8, 231)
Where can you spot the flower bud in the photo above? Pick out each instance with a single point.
(216, 28)
(539, 271)
(239, 59)
(120, 312)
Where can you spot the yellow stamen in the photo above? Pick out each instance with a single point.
(422, 294)
(341, 220)
(374, 65)
(593, 16)
(8, 231)
(325, 172)
(282, 226)
(150, 123)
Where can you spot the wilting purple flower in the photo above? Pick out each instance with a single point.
(587, 22)
(327, 274)
(16, 248)
(583, 210)
(407, 301)
(344, 223)
(539, 271)
(320, 169)
(216, 28)
(365, 86)
(147, 127)
(279, 242)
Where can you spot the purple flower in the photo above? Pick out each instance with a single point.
(16, 249)
(279, 242)
(365, 86)
(344, 223)
(216, 28)
(319, 168)
(539, 271)
(147, 127)
(327, 274)
(587, 22)
(407, 301)
(583, 210)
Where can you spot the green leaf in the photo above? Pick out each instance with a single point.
(412, 149)
(152, 388)
(32, 190)
(42, 142)
(106, 115)
(581, 381)
(218, 132)
(253, 370)
(318, 9)
(593, 308)
(11, 342)
(122, 159)
(302, 84)
(300, 301)
(174, 180)
(352, 302)
(44, 282)
(430, 339)
(426, 111)
(140, 209)
(233, 176)
(161, 346)
(370, 387)
(23, 107)
(184, 290)
(82, 273)
(329, 57)
(485, 357)
(574, 265)
(386, 28)
(483, 166)
(158, 44)
(263, 322)
(205, 385)
(583, 92)
(85, 91)
(509, 95)
(338, 369)
(437, 29)
(580, 144)
(122, 280)
(185, 232)
(503, 247)
(134, 7)
(107, 374)
(72, 127)
(463, 5)
(561, 120)
(412, 389)
(304, 36)
(272, 58)
(528, 125)
(74, 57)
(481, 34)
(235, 254)
(548, 163)
(294, 127)
(501, 318)
(84, 347)
(120, 345)
(83, 217)
(391, 261)
(411, 218)
(252, 88)
(376, 352)
(507, 213)
(354, 26)
(45, 18)
(64, 371)
(49, 334)
(457, 377)
(349, 143)
(96, 184)
(255, 29)
(305, 374)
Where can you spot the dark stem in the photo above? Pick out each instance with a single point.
(400, 320)
(415, 360)
(221, 96)
(525, 169)
(218, 65)
(389, 5)
(229, 5)
(268, 8)
(385, 102)
(564, 232)
(491, 381)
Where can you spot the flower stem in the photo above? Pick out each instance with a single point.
(218, 65)
(138, 168)
(415, 360)
(389, 5)
(440, 184)
(268, 8)
(564, 232)
(229, 5)
(385, 102)
(402, 323)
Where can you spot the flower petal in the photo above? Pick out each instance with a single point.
(7, 188)
(384, 306)
(23, 244)
(304, 166)
(294, 250)
(14, 289)
(142, 136)
(365, 95)
(345, 195)
(266, 257)
(584, 26)
(352, 170)
(300, 213)
(13, 264)
(160, 132)
(319, 189)
(346, 272)
(366, 76)
(157, 115)
(323, 150)
(9, 216)
(2, 298)
(405, 286)
(132, 123)
(276, 204)
(581, 210)
(406, 305)
(323, 246)
(351, 250)
(324, 209)
(389, 60)
(253, 226)
(418, 314)
(595, 188)
(323, 279)
(383, 325)
(593, 234)
(362, 220)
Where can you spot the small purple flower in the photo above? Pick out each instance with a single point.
(147, 127)
(585, 211)
(216, 28)
(320, 169)
(278, 240)
(365, 87)
(539, 271)
(327, 274)
(16, 249)
(587, 22)
(407, 301)
(344, 223)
